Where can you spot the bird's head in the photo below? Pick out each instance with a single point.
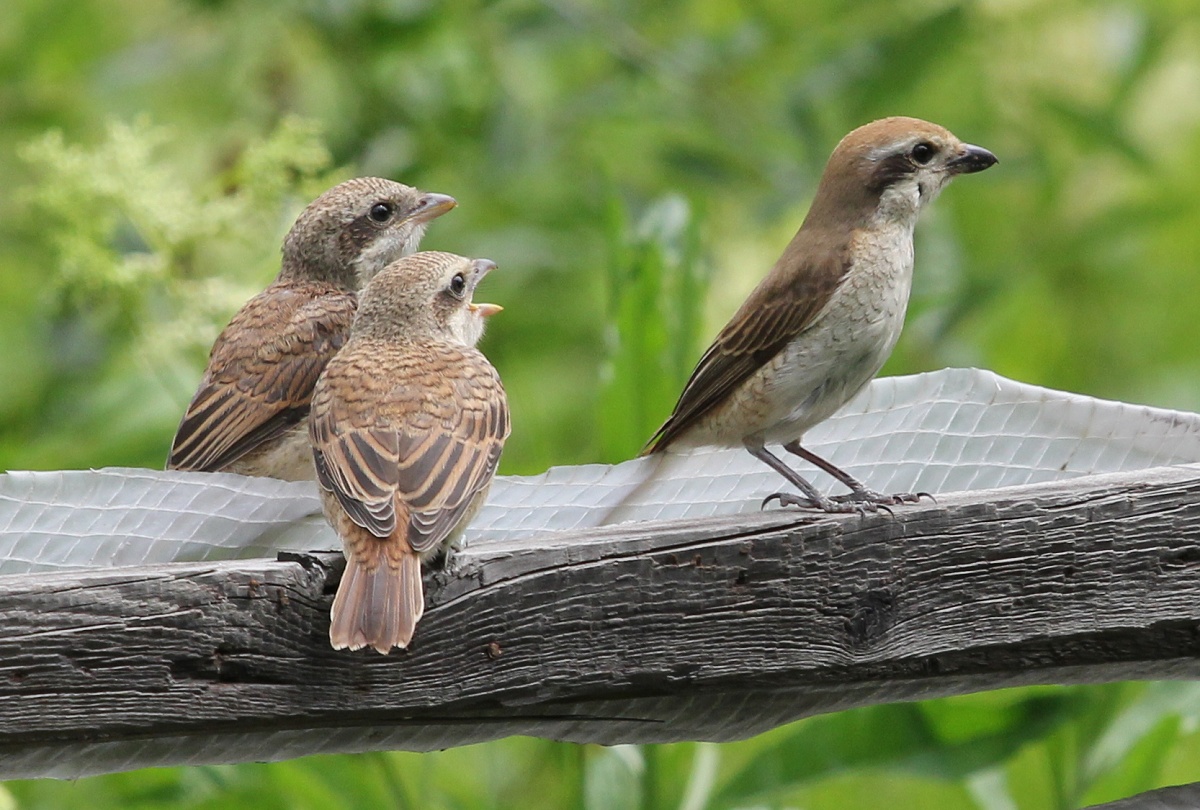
(885, 172)
(426, 294)
(357, 228)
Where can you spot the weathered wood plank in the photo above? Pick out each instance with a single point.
(1181, 797)
(706, 630)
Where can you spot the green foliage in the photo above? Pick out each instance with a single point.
(634, 168)
(147, 263)
(657, 281)
(143, 249)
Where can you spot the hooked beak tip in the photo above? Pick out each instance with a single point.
(431, 206)
(973, 159)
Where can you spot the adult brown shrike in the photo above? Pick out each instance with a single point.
(824, 320)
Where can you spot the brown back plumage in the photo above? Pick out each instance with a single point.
(263, 365)
(407, 426)
(261, 373)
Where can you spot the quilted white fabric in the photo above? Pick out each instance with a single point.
(945, 431)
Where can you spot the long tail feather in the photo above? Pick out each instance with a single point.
(377, 605)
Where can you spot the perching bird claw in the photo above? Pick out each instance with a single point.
(871, 496)
(833, 506)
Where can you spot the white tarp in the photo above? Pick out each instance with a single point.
(945, 431)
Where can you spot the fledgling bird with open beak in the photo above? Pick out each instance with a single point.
(407, 424)
(248, 415)
(826, 317)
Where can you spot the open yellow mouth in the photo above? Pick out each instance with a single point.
(486, 310)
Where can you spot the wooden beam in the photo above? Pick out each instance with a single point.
(1181, 797)
(654, 632)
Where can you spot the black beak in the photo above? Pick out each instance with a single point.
(973, 159)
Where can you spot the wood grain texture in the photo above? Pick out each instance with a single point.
(653, 632)
(1181, 797)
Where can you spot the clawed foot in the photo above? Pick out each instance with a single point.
(830, 505)
(861, 501)
(447, 559)
(878, 498)
(444, 562)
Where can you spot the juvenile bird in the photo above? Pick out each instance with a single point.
(248, 414)
(407, 425)
(821, 324)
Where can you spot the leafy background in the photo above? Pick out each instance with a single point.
(634, 167)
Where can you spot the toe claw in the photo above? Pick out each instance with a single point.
(862, 503)
(789, 499)
(873, 500)
(908, 497)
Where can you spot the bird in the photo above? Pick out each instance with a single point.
(248, 413)
(407, 424)
(822, 322)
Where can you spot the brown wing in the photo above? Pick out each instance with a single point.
(400, 444)
(780, 308)
(261, 373)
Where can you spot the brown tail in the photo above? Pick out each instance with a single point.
(378, 606)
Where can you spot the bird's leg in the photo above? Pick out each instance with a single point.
(859, 492)
(446, 560)
(811, 497)
(439, 560)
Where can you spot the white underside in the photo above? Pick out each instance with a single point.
(846, 346)
(827, 364)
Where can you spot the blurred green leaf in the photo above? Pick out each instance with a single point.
(1128, 756)
(613, 778)
(947, 740)
(657, 283)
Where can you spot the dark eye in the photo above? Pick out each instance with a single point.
(381, 212)
(458, 285)
(923, 152)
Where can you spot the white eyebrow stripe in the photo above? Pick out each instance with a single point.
(886, 150)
